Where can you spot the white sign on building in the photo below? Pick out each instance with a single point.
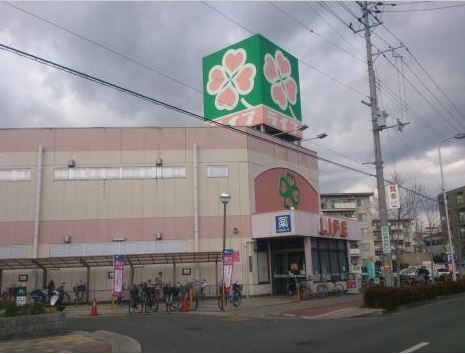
(393, 196)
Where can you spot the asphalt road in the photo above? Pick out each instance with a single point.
(441, 324)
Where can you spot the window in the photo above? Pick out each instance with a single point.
(462, 231)
(218, 171)
(362, 217)
(359, 203)
(262, 267)
(15, 175)
(103, 173)
(462, 216)
(459, 198)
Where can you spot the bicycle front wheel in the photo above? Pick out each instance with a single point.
(321, 291)
(339, 290)
(237, 300)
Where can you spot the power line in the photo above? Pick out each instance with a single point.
(420, 93)
(163, 104)
(344, 39)
(314, 68)
(104, 47)
(186, 112)
(435, 84)
(312, 31)
(428, 9)
(427, 74)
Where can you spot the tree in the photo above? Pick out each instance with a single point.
(411, 199)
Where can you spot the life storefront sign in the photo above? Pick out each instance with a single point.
(118, 275)
(228, 261)
(332, 227)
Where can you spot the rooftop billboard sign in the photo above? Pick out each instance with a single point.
(252, 82)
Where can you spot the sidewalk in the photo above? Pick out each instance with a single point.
(75, 342)
(257, 307)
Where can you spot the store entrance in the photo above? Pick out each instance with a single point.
(286, 254)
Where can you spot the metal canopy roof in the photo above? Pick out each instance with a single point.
(107, 261)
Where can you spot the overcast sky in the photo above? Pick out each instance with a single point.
(172, 38)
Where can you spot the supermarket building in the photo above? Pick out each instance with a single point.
(75, 193)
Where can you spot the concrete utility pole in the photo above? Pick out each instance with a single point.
(383, 217)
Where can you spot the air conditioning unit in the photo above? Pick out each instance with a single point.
(159, 235)
(67, 239)
(71, 163)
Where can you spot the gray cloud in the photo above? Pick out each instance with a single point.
(172, 37)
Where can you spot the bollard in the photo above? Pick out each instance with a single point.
(298, 292)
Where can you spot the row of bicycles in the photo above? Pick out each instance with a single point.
(306, 288)
(145, 297)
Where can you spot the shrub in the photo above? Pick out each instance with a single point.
(11, 310)
(37, 308)
(391, 298)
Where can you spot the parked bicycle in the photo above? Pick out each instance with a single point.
(150, 300)
(134, 299)
(309, 289)
(232, 295)
(173, 297)
(79, 291)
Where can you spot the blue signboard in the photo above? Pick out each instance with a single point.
(283, 223)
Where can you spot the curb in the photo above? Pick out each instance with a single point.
(119, 343)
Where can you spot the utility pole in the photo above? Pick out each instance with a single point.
(383, 217)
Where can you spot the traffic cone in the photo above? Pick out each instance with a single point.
(93, 309)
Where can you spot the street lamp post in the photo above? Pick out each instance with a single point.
(319, 136)
(451, 249)
(224, 198)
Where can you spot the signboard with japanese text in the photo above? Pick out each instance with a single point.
(283, 223)
(117, 275)
(386, 239)
(393, 196)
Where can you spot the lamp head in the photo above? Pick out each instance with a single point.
(225, 198)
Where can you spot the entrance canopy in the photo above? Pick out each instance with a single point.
(107, 260)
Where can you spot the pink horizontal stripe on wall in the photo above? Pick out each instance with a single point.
(140, 229)
(111, 139)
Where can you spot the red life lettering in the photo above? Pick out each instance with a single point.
(344, 231)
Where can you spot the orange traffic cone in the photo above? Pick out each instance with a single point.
(93, 309)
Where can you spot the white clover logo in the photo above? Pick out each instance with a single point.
(230, 80)
(277, 72)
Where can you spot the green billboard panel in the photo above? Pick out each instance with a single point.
(252, 74)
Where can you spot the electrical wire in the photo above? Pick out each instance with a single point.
(312, 31)
(169, 106)
(421, 10)
(104, 47)
(312, 67)
(164, 104)
(344, 39)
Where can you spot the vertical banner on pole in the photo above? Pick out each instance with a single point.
(393, 196)
(118, 275)
(228, 261)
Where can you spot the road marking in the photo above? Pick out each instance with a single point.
(289, 315)
(415, 347)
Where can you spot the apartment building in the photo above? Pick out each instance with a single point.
(355, 206)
